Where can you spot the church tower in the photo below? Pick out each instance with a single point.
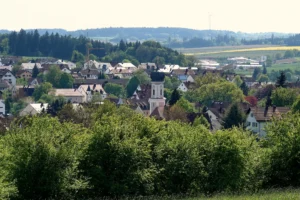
(157, 99)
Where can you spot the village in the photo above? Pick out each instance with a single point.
(95, 82)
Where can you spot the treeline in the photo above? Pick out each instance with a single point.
(65, 47)
(104, 151)
(226, 40)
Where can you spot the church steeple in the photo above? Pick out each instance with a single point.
(157, 91)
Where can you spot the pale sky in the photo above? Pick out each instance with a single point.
(234, 15)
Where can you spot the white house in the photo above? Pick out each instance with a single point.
(128, 66)
(66, 70)
(30, 66)
(258, 117)
(33, 109)
(2, 107)
(8, 76)
(72, 95)
(90, 90)
(183, 87)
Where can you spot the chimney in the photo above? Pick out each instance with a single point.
(274, 108)
(266, 110)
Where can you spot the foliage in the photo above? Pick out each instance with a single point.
(43, 158)
(17, 107)
(132, 86)
(219, 91)
(296, 105)
(115, 89)
(237, 81)
(171, 82)
(256, 72)
(66, 80)
(234, 117)
(142, 76)
(263, 78)
(208, 78)
(41, 89)
(284, 96)
(35, 71)
(244, 88)
(58, 78)
(185, 104)
(251, 100)
(201, 121)
(175, 96)
(283, 143)
(281, 80)
(268, 62)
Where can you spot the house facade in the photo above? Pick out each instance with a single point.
(258, 117)
(2, 107)
(72, 95)
(24, 74)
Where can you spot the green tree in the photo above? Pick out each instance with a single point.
(35, 71)
(284, 96)
(115, 89)
(41, 89)
(234, 117)
(281, 80)
(237, 81)
(244, 88)
(278, 56)
(289, 54)
(265, 70)
(5, 46)
(102, 76)
(44, 157)
(77, 57)
(263, 78)
(296, 105)
(185, 104)
(269, 61)
(122, 46)
(201, 121)
(175, 96)
(256, 73)
(66, 81)
(53, 76)
(142, 76)
(132, 86)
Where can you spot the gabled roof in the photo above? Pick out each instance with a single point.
(178, 72)
(89, 72)
(127, 65)
(262, 114)
(30, 66)
(68, 92)
(3, 72)
(93, 87)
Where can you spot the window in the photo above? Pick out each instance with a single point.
(248, 123)
(251, 115)
(160, 91)
(153, 92)
(254, 124)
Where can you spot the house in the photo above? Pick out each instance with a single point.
(30, 66)
(90, 64)
(34, 81)
(4, 85)
(128, 66)
(258, 117)
(90, 90)
(147, 66)
(24, 74)
(9, 67)
(183, 87)
(66, 70)
(2, 107)
(140, 100)
(122, 73)
(25, 91)
(8, 76)
(89, 73)
(78, 82)
(72, 95)
(33, 109)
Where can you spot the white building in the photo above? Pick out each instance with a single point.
(183, 87)
(72, 95)
(128, 66)
(30, 66)
(33, 109)
(8, 76)
(258, 117)
(90, 90)
(2, 107)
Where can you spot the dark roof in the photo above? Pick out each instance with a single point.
(156, 114)
(157, 76)
(22, 71)
(26, 91)
(219, 108)
(89, 72)
(3, 72)
(262, 114)
(178, 72)
(78, 82)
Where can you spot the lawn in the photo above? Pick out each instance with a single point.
(252, 51)
(291, 194)
(278, 67)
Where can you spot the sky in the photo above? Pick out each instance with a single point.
(234, 15)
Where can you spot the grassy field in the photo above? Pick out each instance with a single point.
(251, 51)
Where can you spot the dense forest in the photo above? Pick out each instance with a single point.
(94, 151)
(66, 47)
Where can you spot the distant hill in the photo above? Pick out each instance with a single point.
(161, 34)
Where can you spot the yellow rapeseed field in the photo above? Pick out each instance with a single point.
(272, 48)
